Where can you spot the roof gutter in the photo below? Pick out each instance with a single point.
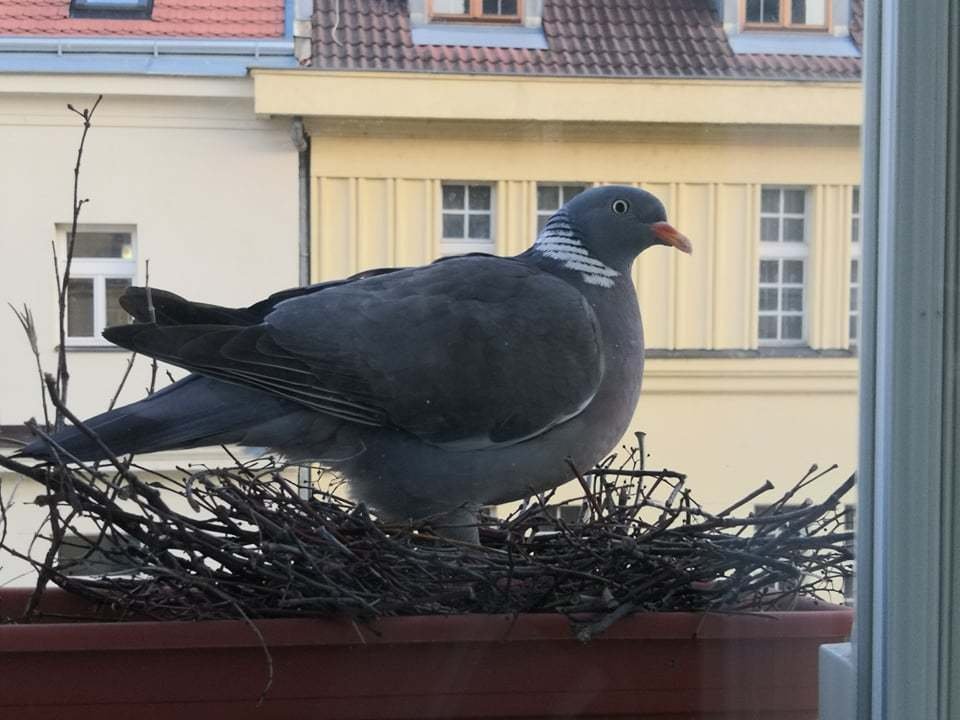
(146, 46)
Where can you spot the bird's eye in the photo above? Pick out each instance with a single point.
(620, 206)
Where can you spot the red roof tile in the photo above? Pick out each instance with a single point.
(633, 38)
(170, 18)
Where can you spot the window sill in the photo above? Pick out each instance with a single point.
(466, 34)
(92, 348)
(790, 351)
(786, 42)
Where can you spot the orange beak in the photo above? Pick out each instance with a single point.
(669, 235)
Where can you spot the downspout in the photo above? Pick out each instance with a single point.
(301, 142)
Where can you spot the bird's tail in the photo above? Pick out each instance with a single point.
(193, 412)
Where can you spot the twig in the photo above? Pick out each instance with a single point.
(63, 374)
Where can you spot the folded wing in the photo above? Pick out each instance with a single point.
(468, 353)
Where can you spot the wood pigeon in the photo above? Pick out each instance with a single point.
(434, 390)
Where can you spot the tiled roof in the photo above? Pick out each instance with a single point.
(170, 18)
(633, 38)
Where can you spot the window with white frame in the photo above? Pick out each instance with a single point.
(854, 310)
(783, 265)
(103, 267)
(551, 197)
(467, 219)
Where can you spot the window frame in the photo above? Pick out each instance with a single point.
(785, 24)
(99, 270)
(461, 246)
(475, 14)
(781, 251)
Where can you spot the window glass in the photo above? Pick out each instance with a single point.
(80, 320)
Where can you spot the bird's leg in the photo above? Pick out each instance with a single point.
(460, 524)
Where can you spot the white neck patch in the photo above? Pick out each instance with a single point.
(560, 241)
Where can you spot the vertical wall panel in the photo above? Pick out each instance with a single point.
(413, 238)
(732, 269)
(694, 217)
(518, 232)
(334, 249)
(653, 273)
(375, 223)
(834, 265)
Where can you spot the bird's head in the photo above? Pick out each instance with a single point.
(609, 225)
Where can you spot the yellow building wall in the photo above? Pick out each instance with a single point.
(729, 422)
(376, 202)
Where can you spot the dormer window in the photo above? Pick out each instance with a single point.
(507, 11)
(786, 15)
(112, 9)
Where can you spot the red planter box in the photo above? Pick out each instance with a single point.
(663, 665)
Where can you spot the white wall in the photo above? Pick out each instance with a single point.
(211, 189)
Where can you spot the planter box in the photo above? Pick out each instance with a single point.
(664, 665)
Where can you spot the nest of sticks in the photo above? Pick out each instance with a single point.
(248, 542)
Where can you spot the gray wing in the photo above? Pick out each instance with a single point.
(467, 353)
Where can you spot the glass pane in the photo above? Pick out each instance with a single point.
(791, 327)
(103, 245)
(771, 11)
(855, 271)
(793, 272)
(769, 271)
(452, 225)
(453, 197)
(480, 227)
(508, 7)
(80, 307)
(808, 12)
(854, 322)
(770, 229)
(451, 7)
(770, 201)
(793, 299)
(571, 191)
(856, 201)
(116, 315)
(794, 201)
(541, 221)
(754, 10)
(479, 197)
(855, 230)
(768, 298)
(767, 327)
(793, 230)
(548, 197)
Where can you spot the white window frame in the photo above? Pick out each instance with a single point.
(562, 187)
(856, 265)
(99, 270)
(463, 245)
(781, 250)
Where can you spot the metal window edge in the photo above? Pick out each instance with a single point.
(907, 634)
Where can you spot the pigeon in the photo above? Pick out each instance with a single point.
(472, 381)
